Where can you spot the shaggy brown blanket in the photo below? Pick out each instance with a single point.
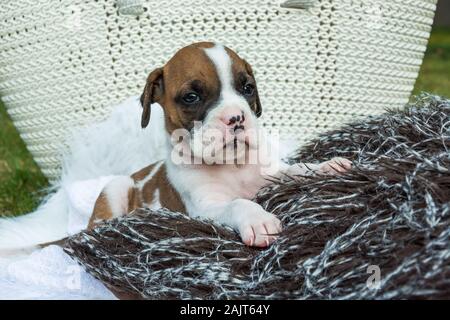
(382, 231)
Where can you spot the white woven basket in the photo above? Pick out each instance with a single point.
(319, 63)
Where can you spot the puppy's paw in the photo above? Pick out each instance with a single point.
(335, 166)
(259, 229)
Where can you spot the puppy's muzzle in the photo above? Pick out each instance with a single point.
(234, 119)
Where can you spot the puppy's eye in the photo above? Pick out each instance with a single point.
(191, 98)
(248, 89)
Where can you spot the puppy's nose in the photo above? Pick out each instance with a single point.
(233, 118)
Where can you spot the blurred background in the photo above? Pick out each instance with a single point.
(22, 183)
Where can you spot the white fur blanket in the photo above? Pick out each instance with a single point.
(50, 273)
(97, 153)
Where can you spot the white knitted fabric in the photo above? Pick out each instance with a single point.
(318, 63)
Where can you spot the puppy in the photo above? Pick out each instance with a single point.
(217, 157)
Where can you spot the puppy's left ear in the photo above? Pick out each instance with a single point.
(153, 92)
(258, 107)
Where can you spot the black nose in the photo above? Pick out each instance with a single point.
(239, 119)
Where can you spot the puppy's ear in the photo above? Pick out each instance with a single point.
(153, 92)
(258, 107)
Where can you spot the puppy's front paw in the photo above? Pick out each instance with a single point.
(334, 166)
(259, 229)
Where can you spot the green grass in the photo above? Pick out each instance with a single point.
(21, 181)
(434, 76)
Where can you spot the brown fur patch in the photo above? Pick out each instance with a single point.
(139, 197)
(168, 196)
(141, 174)
(102, 211)
(242, 75)
(197, 67)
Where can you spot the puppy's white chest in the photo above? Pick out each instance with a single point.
(247, 191)
(242, 182)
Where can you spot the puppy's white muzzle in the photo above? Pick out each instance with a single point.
(226, 135)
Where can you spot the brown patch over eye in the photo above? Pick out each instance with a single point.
(245, 82)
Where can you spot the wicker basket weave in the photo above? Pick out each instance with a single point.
(318, 63)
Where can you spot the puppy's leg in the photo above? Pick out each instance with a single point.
(333, 166)
(256, 226)
(113, 201)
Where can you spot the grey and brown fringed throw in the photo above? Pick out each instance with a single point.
(390, 214)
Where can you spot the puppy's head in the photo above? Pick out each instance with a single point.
(208, 91)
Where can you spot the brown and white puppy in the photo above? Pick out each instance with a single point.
(210, 102)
